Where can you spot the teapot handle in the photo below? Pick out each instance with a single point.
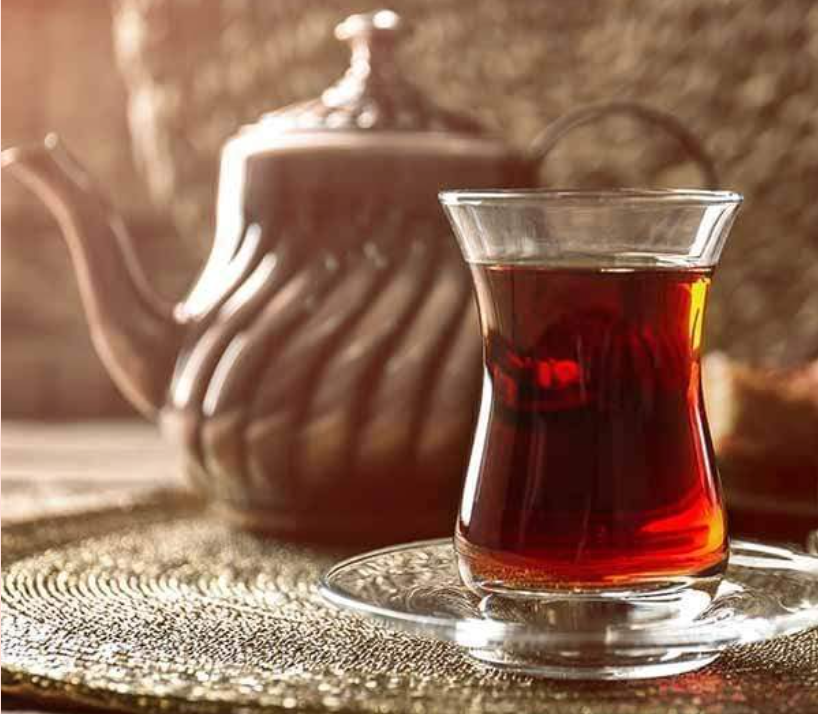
(552, 134)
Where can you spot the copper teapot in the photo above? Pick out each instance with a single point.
(321, 376)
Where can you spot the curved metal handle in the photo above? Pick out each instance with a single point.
(545, 141)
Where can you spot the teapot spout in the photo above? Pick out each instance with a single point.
(134, 332)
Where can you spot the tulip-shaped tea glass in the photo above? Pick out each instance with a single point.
(591, 541)
(592, 468)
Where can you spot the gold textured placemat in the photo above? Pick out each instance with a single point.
(161, 608)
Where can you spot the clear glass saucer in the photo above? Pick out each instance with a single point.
(767, 591)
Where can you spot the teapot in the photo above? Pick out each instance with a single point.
(320, 377)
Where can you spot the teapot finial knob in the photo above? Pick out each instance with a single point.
(373, 94)
(372, 37)
(381, 26)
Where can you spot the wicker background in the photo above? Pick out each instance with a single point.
(59, 74)
(743, 74)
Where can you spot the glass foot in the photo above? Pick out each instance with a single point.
(645, 667)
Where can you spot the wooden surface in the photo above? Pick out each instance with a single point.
(71, 467)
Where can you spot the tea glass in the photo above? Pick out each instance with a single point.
(592, 470)
(591, 541)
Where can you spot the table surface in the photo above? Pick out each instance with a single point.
(64, 469)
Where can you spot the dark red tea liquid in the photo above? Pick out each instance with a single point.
(592, 464)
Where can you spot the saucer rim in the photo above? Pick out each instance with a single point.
(705, 636)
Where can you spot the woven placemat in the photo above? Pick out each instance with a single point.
(158, 607)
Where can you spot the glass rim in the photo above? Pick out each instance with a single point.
(589, 197)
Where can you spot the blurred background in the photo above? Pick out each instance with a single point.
(146, 91)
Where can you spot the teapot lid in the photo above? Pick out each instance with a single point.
(373, 95)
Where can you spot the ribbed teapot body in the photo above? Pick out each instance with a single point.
(329, 393)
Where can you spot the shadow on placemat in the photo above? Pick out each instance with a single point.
(158, 607)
